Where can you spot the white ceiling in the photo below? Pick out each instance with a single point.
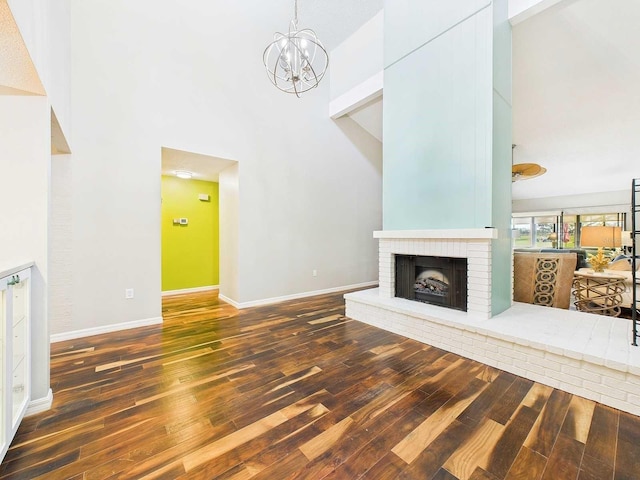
(576, 105)
(335, 20)
(203, 167)
(576, 101)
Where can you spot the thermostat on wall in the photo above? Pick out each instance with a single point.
(204, 197)
(184, 221)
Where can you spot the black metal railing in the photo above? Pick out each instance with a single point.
(635, 234)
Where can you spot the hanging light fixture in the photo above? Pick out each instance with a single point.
(297, 61)
(524, 171)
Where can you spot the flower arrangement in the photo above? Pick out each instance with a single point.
(599, 261)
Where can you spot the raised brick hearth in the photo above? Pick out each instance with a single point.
(584, 354)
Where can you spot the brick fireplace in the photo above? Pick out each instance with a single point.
(584, 354)
(474, 245)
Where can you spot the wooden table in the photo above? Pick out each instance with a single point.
(598, 292)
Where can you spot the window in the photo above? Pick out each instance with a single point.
(607, 219)
(522, 232)
(539, 231)
(545, 226)
(568, 234)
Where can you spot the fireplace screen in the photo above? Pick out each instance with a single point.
(437, 280)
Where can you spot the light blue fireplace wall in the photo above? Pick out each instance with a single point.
(447, 122)
(501, 156)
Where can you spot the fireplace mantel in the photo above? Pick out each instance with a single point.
(453, 234)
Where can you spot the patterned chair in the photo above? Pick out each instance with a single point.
(543, 278)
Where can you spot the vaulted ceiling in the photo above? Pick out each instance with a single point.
(576, 105)
(576, 101)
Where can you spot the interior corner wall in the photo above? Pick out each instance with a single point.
(61, 244)
(229, 218)
(25, 136)
(501, 255)
(437, 115)
(190, 252)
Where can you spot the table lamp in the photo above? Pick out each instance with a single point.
(601, 237)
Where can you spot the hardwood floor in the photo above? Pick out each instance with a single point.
(297, 390)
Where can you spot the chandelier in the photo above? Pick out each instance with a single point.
(297, 61)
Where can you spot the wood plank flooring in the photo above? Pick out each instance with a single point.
(297, 390)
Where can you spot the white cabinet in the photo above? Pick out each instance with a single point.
(15, 368)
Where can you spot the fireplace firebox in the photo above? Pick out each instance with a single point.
(437, 280)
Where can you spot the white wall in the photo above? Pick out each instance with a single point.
(357, 76)
(24, 209)
(45, 29)
(358, 58)
(60, 245)
(25, 126)
(600, 202)
(25, 163)
(309, 187)
(229, 215)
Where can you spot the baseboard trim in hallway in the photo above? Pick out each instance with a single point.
(40, 405)
(182, 291)
(295, 296)
(87, 332)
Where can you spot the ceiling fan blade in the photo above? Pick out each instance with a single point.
(525, 171)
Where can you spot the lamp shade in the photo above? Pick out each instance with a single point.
(601, 236)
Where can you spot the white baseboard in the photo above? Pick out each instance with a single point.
(269, 301)
(40, 404)
(226, 299)
(190, 290)
(60, 337)
(87, 332)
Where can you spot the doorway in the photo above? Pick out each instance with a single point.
(191, 226)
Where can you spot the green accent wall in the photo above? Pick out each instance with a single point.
(190, 253)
